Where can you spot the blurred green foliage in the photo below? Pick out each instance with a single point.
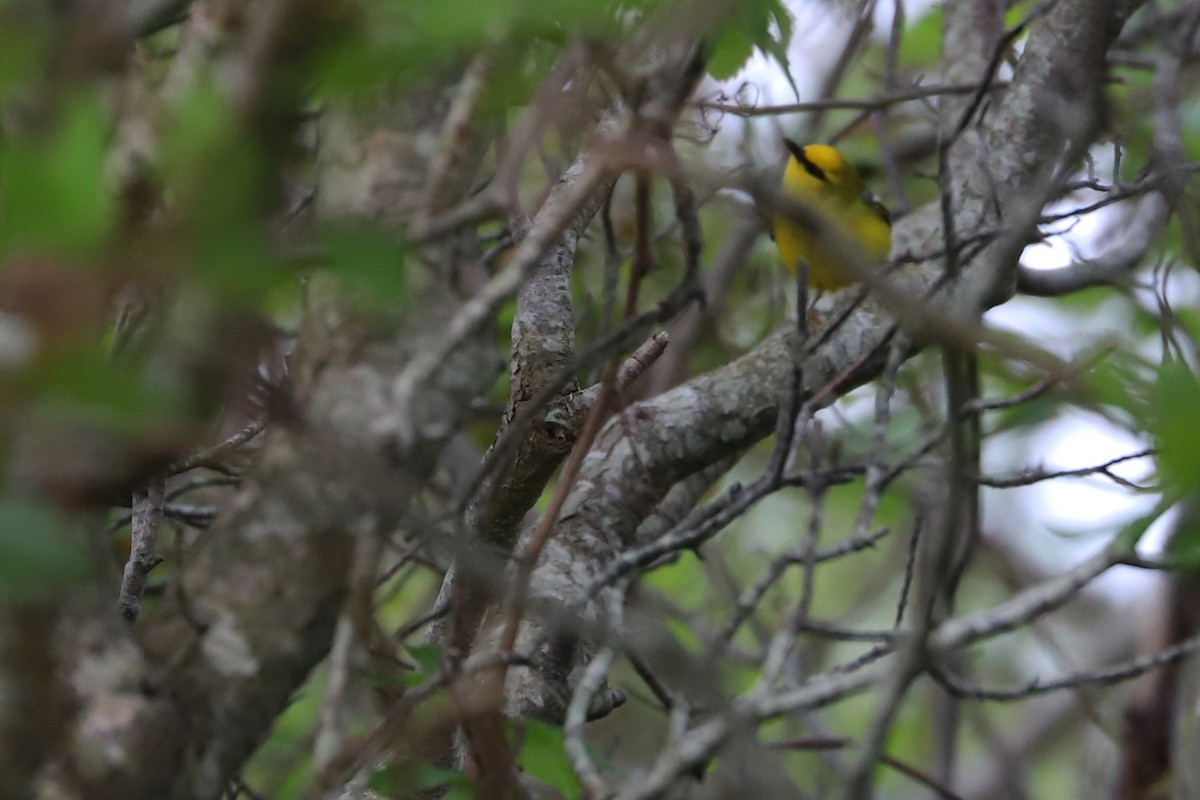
(52, 185)
(370, 266)
(401, 782)
(221, 181)
(762, 25)
(1173, 424)
(38, 559)
(543, 756)
(84, 386)
(216, 174)
(402, 43)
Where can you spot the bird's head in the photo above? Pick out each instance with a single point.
(825, 164)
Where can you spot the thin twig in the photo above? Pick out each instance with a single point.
(147, 516)
(867, 104)
(838, 743)
(910, 567)
(211, 457)
(1082, 680)
(577, 715)
(1032, 476)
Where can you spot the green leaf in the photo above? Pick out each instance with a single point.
(778, 37)
(35, 558)
(388, 781)
(1190, 111)
(427, 657)
(1133, 531)
(237, 266)
(82, 385)
(203, 120)
(401, 43)
(52, 191)
(1175, 423)
(406, 780)
(762, 24)
(544, 757)
(1017, 13)
(922, 42)
(458, 786)
(22, 50)
(1183, 548)
(730, 52)
(278, 762)
(219, 178)
(1125, 381)
(370, 265)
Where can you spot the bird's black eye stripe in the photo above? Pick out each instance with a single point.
(810, 167)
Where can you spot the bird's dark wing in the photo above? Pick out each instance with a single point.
(872, 202)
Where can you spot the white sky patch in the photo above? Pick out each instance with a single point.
(1061, 522)
(1078, 440)
(1077, 237)
(1065, 332)
(1070, 239)
(818, 36)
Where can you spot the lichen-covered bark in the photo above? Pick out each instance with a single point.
(543, 348)
(636, 461)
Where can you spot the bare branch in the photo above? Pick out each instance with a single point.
(902, 767)
(147, 516)
(211, 457)
(1030, 477)
(1082, 680)
(875, 104)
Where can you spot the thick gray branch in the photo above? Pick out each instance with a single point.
(656, 443)
(543, 346)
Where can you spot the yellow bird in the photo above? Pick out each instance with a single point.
(819, 177)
